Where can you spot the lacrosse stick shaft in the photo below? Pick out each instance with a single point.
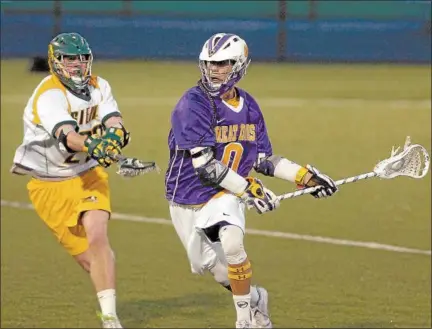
(117, 157)
(339, 182)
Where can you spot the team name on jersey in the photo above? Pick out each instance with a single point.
(86, 115)
(234, 133)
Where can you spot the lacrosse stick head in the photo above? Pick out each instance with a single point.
(413, 162)
(131, 167)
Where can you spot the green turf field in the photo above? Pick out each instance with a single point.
(342, 119)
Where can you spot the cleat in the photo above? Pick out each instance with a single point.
(109, 321)
(260, 314)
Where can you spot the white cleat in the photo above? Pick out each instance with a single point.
(109, 321)
(260, 314)
(242, 324)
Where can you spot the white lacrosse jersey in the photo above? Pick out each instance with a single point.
(51, 105)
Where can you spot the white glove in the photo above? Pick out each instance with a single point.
(272, 202)
(259, 197)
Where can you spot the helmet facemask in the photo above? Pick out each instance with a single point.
(223, 62)
(220, 76)
(73, 70)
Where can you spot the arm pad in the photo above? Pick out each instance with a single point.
(279, 167)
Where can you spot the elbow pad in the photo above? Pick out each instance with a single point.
(267, 165)
(210, 171)
(214, 173)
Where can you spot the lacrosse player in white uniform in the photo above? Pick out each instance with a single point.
(218, 135)
(73, 128)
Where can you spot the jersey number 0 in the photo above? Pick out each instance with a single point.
(232, 155)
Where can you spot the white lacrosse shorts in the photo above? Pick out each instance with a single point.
(189, 224)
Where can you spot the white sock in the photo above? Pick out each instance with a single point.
(242, 305)
(107, 301)
(254, 296)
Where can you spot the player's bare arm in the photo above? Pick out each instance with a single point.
(100, 149)
(114, 121)
(70, 138)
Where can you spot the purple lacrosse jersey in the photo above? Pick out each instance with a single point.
(237, 136)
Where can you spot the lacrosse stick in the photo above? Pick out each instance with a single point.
(413, 162)
(131, 167)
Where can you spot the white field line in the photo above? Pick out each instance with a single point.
(272, 234)
(264, 101)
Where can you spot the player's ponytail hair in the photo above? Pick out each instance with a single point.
(212, 102)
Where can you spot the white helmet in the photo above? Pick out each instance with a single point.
(224, 47)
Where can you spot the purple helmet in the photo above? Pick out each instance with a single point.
(223, 47)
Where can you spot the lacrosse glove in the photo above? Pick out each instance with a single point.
(116, 135)
(102, 150)
(311, 176)
(259, 197)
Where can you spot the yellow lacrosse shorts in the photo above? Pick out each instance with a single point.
(60, 205)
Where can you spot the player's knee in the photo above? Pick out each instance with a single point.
(96, 226)
(83, 260)
(231, 238)
(99, 241)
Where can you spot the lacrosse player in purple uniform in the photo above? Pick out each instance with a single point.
(218, 136)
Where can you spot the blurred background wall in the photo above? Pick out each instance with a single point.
(296, 31)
